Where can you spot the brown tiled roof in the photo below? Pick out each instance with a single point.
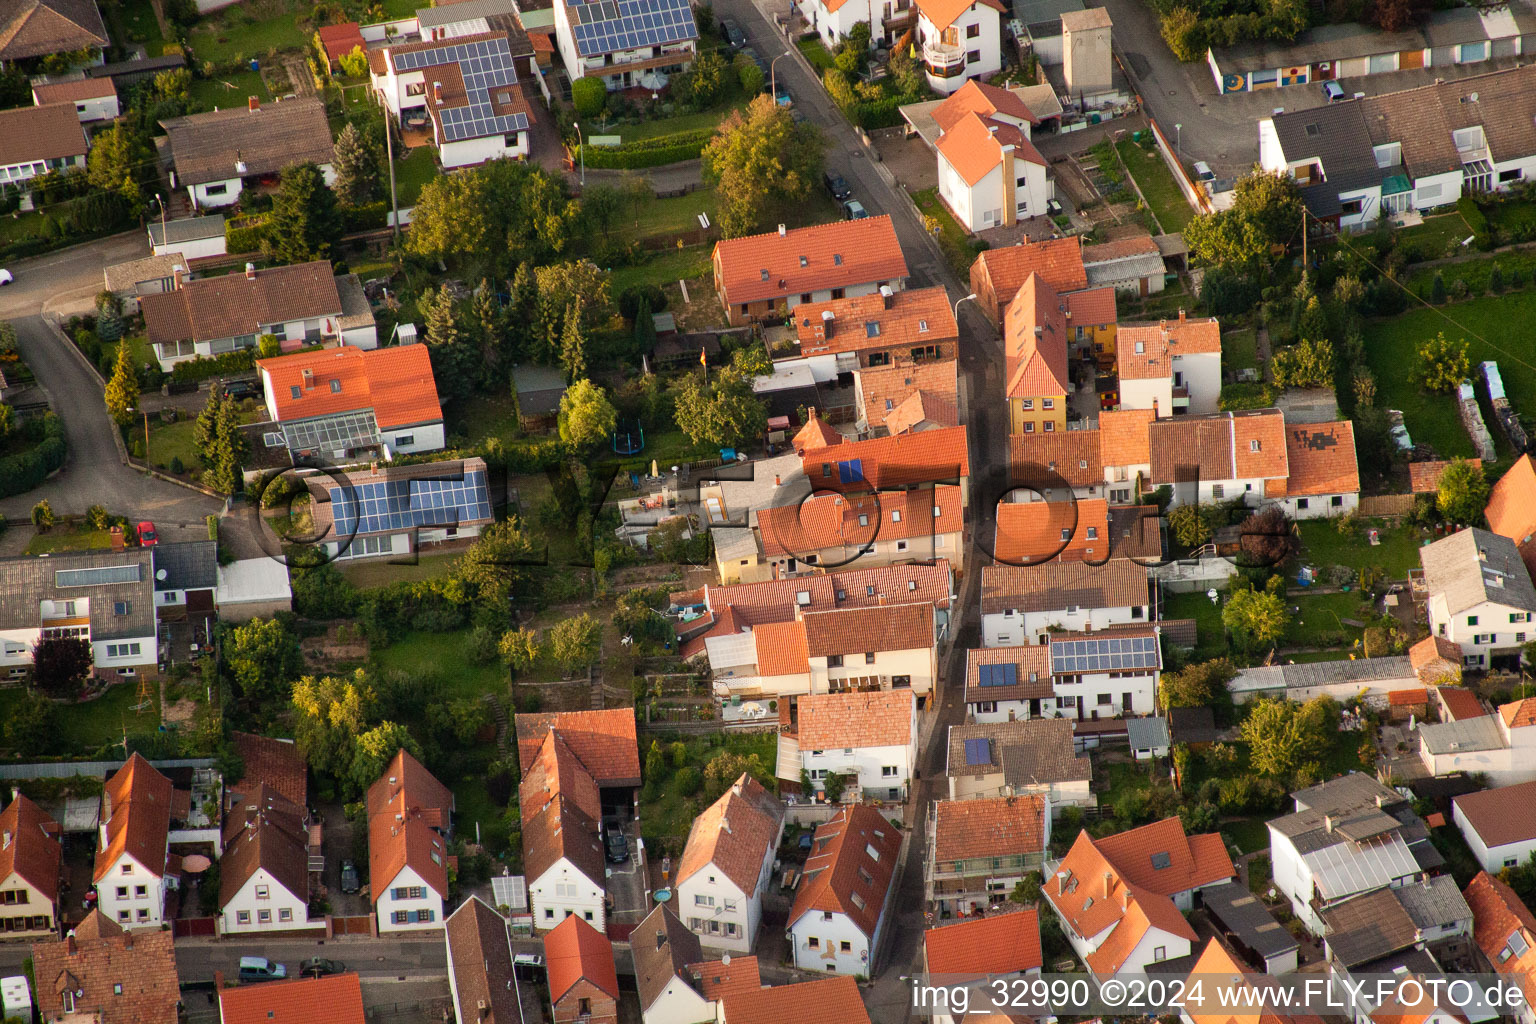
(1501, 816)
(1033, 663)
(1120, 249)
(884, 388)
(1408, 698)
(780, 648)
(1497, 914)
(998, 827)
(977, 97)
(862, 718)
(422, 804)
(1519, 714)
(1000, 943)
(1058, 260)
(1424, 478)
(1026, 752)
(276, 763)
(480, 957)
(603, 740)
(31, 851)
(36, 28)
(911, 316)
(136, 804)
(264, 830)
(1321, 459)
(1126, 437)
(1072, 454)
(663, 949)
(839, 863)
(836, 255)
(1039, 531)
(561, 829)
(1220, 446)
(929, 456)
(336, 999)
(1432, 648)
(856, 521)
(1035, 342)
(143, 963)
(208, 308)
(735, 834)
(49, 132)
(922, 407)
(1193, 861)
(897, 627)
(557, 772)
(817, 433)
(1119, 583)
(206, 147)
(73, 90)
(834, 1000)
(1092, 307)
(575, 951)
(1460, 702)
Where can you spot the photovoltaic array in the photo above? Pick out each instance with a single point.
(1108, 655)
(401, 504)
(485, 64)
(603, 26)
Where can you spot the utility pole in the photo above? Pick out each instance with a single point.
(389, 149)
(1303, 239)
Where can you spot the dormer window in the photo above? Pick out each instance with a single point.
(922, 326)
(764, 273)
(1253, 446)
(804, 262)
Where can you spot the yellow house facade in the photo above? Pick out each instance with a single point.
(1035, 340)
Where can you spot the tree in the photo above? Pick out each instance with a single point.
(109, 320)
(1027, 889)
(7, 420)
(454, 357)
(1442, 365)
(1463, 492)
(749, 75)
(357, 167)
(1284, 737)
(374, 750)
(227, 451)
(1437, 289)
(758, 161)
(1312, 322)
(1192, 525)
(1255, 619)
(722, 413)
(722, 771)
(496, 563)
(519, 649)
(1184, 33)
(573, 343)
(329, 713)
(588, 96)
(42, 515)
(119, 161)
(459, 719)
(1306, 364)
(1495, 280)
(708, 77)
(1266, 212)
(1196, 686)
(494, 215)
(522, 312)
(752, 361)
(60, 665)
(637, 191)
(576, 642)
(486, 314)
(586, 416)
(579, 281)
(262, 657)
(29, 725)
(601, 204)
(1267, 539)
(645, 327)
(354, 64)
(305, 221)
(123, 388)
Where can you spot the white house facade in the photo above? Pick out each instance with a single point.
(958, 45)
(727, 865)
(563, 891)
(406, 903)
(263, 904)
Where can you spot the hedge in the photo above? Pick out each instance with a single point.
(245, 234)
(203, 367)
(25, 470)
(663, 149)
(366, 217)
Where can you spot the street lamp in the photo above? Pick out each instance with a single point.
(956, 313)
(1178, 140)
(163, 240)
(581, 149)
(773, 76)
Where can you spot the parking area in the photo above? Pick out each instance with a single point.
(627, 888)
(909, 159)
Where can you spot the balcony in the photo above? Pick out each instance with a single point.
(943, 60)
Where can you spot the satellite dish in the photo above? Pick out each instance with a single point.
(160, 575)
(725, 961)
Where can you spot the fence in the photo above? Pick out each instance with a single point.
(195, 927)
(362, 925)
(1386, 504)
(1193, 194)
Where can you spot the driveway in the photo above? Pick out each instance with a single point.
(67, 281)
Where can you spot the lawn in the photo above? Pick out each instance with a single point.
(446, 656)
(365, 573)
(673, 123)
(1323, 545)
(1156, 182)
(69, 538)
(235, 34)
(412, 172)
(170, 441)
(817, 53)
(670, 216)
(227, 90)
(1391, 347)
(1324, 613)
(85, 728)
(666, 812)
(953, 239)
(1210, 636)
(133, 21)
(1431, 239)
(663, 268)
(1250, 834)
(1239, 349)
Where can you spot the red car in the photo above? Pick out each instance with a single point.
(148, 538)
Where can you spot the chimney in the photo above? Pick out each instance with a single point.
(1181, 314)
(178, 275)
(1328, 822)
(250, 271)
(777, 482)
(218, 981)
(887, 296)
(1109, 883)
(309, 382)
(253, 103)
(828, 318)
(1061, 881)
(1154, 408)
(1125, 899)
(437, 94)
(240, 166)
(71, 948)
(783, 230)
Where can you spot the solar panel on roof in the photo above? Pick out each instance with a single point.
(98, 576)
(402, 504)
(978, 752)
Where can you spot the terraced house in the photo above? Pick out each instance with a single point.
(978, 850)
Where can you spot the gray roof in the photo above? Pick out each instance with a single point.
(1192, 725)
(189, 565)
(1321, 673)
(465, 10)
(126, 277)
(1147, 733)
(539, 389)
(27, 581)
(355, 308)
(1348, 793)
(1029, 752)
(1336, 134)
(1323, 43)
(187, 229)
(1368, 927)
(1435, 903)
(1462, 736)
(1042, 12)
(1244, 915)
(1102, 274)
(1474, 566)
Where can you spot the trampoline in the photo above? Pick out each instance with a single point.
(629, 439)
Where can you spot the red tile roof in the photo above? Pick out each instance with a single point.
(885, 388)
(944, 12)
(1433, 648)
(1460, 702)
(1092, 307)
(1035, 342)
(857, 521)
(1032, 665)
(31, 851)
(995, 827)
(264, 831)
(337, 999)
(1058, 260)
(603, 740)
(1501, 816)
(1126, 437)
(837, 255)
(1424, 478)
(575, 951)
(1408, 698)
(833, 1000)
(929, 456)
(1193, 860)
(405, 805)
(840, 861)
(977, 97)
(854, 631)
(77, 89)
(1498, 914)
(272, 762)
(874, 718)
(1005, 943)
(1120, 249)
(719, 980)
(1240, 1007)
(735, 834)
(1321, 458)
(480, 961)
(1074, 455)
(1246, 445)
(910, 316)
(1520, 713)
(143, 963)
(973, 147)
(396, 383)
(817, 433)
(557, 772)
(137, 805)
(1041, 531)
(922, 407)
(781, 648)
(340, 40)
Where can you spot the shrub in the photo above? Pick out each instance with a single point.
(652, 152)
(630, 299)
(27, 468)
(245, 234)
(688, 781)
(588, 95)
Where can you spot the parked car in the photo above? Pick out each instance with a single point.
(614, 841)
(259, 968)
(350, 883)
(319, 967)
(243, 387)
(854, 210)
(836, 186)
(5, 277)
(528, 966)
(731, 32)
(148, 538)
(1203, 171)
(756, 58)
(781, 95)
(1332, 91)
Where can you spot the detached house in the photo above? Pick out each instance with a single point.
(39, 28)
(1480, 596)
(101, 973)
(1505, 931)
(978, 850)
(1211, 459)
(1024, 604)
(776, 272)
(583, 983)
(409, 818)
(264, 871)
(1018, 759)
(727, 865)
(1173, 365)
(562, 847)
(36, 140)
(839, 913)
(959, 40)
(134, 866)
(990, 174)
(104, 597)
(619, 41)
(346, 402)
(395, 510)
(300, 305)
(866, 737)
(211, 155)
(30, 858)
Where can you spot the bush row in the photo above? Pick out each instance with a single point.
(203, 367)
(26, 469)
(663, 149)
(245, 234)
